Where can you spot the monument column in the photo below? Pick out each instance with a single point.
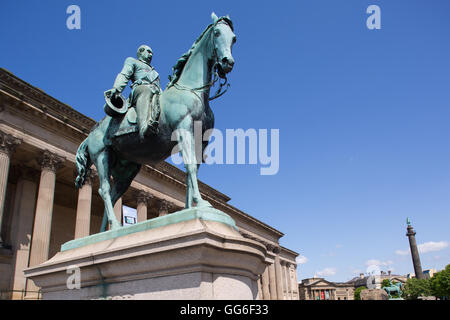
(83, 219)
(8, 144)
(265, 284)
(142, 199)
(414, 252)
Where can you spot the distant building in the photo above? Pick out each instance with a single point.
(427, 274)
(321, 289)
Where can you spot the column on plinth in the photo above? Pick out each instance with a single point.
(279, 275)
(83, 219)
(411, 234)
(265, 284)
(118, 210)
(142, 199)
(23, 214)
(40, 243)
(8, 144)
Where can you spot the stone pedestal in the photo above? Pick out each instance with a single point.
(374, 294)
(190, 254)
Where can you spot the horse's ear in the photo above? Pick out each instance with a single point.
(214, 17)
(228, 17)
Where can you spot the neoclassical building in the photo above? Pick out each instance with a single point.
(321, 289)
(40, 208)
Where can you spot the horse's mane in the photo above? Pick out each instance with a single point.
(177, 69)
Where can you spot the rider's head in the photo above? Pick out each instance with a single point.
(145, 54)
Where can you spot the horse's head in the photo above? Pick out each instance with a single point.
(223, 40)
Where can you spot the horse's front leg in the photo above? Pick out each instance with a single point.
(102, 164)
(186, 144)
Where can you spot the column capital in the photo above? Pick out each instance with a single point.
(164, 205)
(51, 161)
(272, 248)
(8, 143)
(143, 197)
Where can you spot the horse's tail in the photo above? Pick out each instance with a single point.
(83, 162)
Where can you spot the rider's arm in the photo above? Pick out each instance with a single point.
(125, 75)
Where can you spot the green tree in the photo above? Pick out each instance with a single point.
(385, 283)
(440, 283)
(415, 288)
(357, 293)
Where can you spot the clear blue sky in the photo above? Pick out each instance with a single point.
(363, 114)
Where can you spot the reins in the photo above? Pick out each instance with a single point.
(216, 77)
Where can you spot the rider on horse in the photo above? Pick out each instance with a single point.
(145, 84)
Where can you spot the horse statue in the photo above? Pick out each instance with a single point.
(393, 288)
(115, 148)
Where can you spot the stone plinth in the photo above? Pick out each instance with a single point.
(374, 294)
(191, 254)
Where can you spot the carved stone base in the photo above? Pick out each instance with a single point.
(191, 259)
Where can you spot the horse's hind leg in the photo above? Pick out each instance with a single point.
(102, 165)
(123, 174)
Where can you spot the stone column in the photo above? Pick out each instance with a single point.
(142, 199)
(279, 276)
(284, 277)
(164, 207)
(272, 282)
(8, 144)
(294, 284)
(83, 219)
(24, 207)
(265, 284)
(118, 210)
(40, 243)
(260, 297)
(411, 234)
(289, 281)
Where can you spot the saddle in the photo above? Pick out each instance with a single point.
(128, 122)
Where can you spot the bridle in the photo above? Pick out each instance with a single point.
(216, 74)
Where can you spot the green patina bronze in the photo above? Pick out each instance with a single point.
(204, 213)
(393, 288)
(122, 142)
